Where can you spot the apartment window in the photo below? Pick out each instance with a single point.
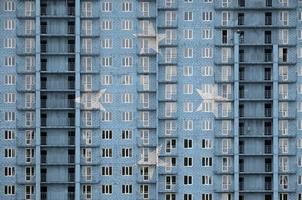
(170, 145)
(106, 6)
(188, 16)
(106, 171)
(86, 191)
(107, 189)
(145, 82)
(106, 79)
(87, 9)
(87, 82)
(144, 117)
(207, 71)
(106, 43)
(9, 116)
(207, 34)
(9, 190)
(87, 45)
(127, 98)
(126, 6)
(188, 180)
(240, 19)
(9, 43)
(206, 161)
(9, 5)
(9, 153)
(10, 98)
(206, 144)
(144, 100)
(106, 116)
(188, 34)
(126, 189)
(188, 161)
(170, 54)
(29, 137)
(225, 54)
(170, 72)
(87, 137)
(188, 88)
(29, 26)
(127, 116)
(188, 53)
(126, 171)
(226, 146)
(283, 145)
(284, 164)
(9, 135)
(127, 43)
(226, 16)
(226, 182)
(188, 71)
(283, 36)
(127, 61)
(144, 8)
(170, 91)
(283, 181)
(170, 18)
(9, 61)
(225, 4)
(283, 91)
(207, 196)
(188, 143)
(207, 16)
(106, 153)
(206, 180)
(207, 52)
(283, 18)
(9, 24)
(87, 27)
(126, 134)
(29, 118)
(106, 25)
(188, 196)
(127, 25)
(188, 106)
(268, 3)
(170, 127)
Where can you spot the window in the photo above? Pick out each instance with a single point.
(226, 16)
(9, 43)
(9, 134)
(206, 180)
(188, 106)
(9, 24)
(87, 27)
(127, 43)
(170, 54)
(126, 6)
(144, 118)
(87, 9)
(188, 88)
(283, 181)
(106, 25)
(170, 18)
(144, 100)
(207, 125)
(188, 196)
(9, 171)
(207, 16)
(145, 82)
(188, 71)
(207, 52)
(106, 6)
(9, 61)
(188, 180)
(107, 189)
(9, 116)
(188, 53)
(226, 182)
(127, 98)
(106, 116)
(188, 143)
(106, 153)
(29, 118)
(226, 146)
(188, 16)
(127, 25)
(126, 134)
(107, 43)
(283, 36)
(86, 191)
(106, 171)
(283, 17)
(206, 161)
(126, 171)
(144, 190)
(87, 137)
(9, 153)
(9, 190)
(206, 144)
(126, 189)
(207, 106)
(188, 161)
(207, 196)
(144, 8)
(9, 6)
(127, 116)
(207, 71)
(10, 98)
(207, 34)
(188, 34)
(127, 61)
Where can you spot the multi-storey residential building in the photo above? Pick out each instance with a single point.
(151, 99)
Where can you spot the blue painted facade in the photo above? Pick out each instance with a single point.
(151, 99)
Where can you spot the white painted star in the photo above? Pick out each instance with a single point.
(95, 100)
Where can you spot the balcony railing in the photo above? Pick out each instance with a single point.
(71, 158)
(268, 186)
(71, 177)
(268, 149)
(71, 140)
(43, 159)
(71, 196)
(43, 195)
(268, 167)
(43, 177)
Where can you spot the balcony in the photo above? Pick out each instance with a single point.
(268, 167)
(66, 50)
(267, 149)
(71, 177)
(71, 159)
(71, 195)
(43, 195)
(51, 13)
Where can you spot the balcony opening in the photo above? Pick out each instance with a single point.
(71, 100)
(71, 176)
(241, 73)
(268, 55)
(44, 64)
(43, 138)
(268, 3)
(241, 165)
(240, 19)
(241, 110)
(267, 74)
(71, 119)
(71, 137)
(241, 37)
(267, 37)
(43, 192)
(241, 197)
(241, 183)
(43, 8)
(268, 165)
(268, 18)
(71, 82)
(283, 54)
(43, 25)
(268, 183)
(241, 91)
(71, 46)
(43, 175)
(43, 156)
(267, 146)
(241, 3)
(241, 147)
(43, 119)
(43, 101)
(224, 36)
(70, 27)
(268, 92)
(268, 128)
(241, 55)
(71, 195)
(268, 110)
(71, 156)
(241, 128)
(43, 83)
(70, 8)
(71, 64)
(43, 46)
